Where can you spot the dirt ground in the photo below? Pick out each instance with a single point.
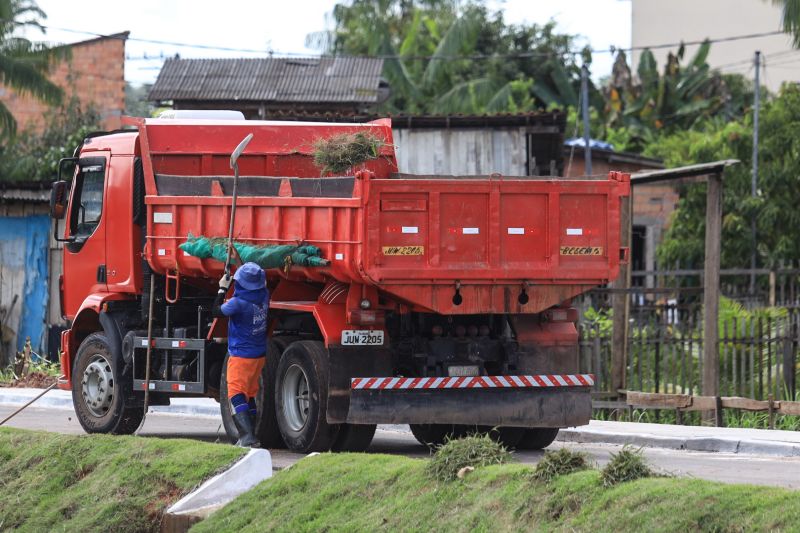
(34, 380)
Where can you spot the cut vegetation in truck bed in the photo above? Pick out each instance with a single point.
(53, 482)
(357, 492)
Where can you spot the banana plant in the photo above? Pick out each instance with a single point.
(677, 98)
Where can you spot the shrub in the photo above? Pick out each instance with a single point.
(559, 463)
(626, 465)
(474, 451)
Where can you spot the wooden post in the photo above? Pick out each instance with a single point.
(773, 280)
(711, 287)
(621, 304)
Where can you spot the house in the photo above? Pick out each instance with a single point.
(29, 260)
(655, 22)
(262, 87)
(93, 73)
(29, 270)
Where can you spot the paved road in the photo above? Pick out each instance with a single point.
(728, 468)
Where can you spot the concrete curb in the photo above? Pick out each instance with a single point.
(696, 444)
(218, 491)
(756, 442)
(61, 399)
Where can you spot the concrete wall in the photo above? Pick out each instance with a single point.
(94, 73)
(461, 151)
(661, 22)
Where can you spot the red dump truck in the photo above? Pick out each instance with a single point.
(445, 303)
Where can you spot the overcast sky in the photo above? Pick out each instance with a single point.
(254, 27)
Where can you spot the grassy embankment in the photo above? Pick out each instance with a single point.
(52, 482)
(358, 492)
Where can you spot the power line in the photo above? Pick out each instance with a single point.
(518, 55)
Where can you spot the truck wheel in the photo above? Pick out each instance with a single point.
(537, 438)
(301, 398)
(283, 341)
(225, 405)
(354, 437)
(505, 435)
(100, 395)
(434, 435)
(267, 429)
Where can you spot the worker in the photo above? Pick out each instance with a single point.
(247, 343)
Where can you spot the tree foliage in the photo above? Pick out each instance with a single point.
(136, 103)
(34, 156)
(775, 207)
(790, 18)
(442, 58)
(647, 103)
(24, 65)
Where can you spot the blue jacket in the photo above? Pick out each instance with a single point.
(247, 321)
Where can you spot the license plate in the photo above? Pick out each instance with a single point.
(359, 337)
(461, 371)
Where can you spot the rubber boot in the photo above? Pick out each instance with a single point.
(247, 438)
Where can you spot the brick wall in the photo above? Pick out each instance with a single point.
(94, 73)
(655, 201)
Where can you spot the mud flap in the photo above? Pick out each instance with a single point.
(348, 362)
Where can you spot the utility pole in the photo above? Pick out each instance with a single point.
(587, 149)
(754, 177)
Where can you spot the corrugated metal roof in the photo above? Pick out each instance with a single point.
(557, 119)
(24, 195)
(325, 79)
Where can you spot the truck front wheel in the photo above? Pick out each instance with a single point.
(100, 394)
(301, 398)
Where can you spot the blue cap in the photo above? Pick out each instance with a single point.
(250, 276)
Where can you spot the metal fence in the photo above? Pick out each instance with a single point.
(759, 348)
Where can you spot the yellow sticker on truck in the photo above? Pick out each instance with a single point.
(403, 250)
(581, 250)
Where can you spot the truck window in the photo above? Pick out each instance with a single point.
(87, 202)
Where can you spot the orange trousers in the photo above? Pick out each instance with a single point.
(243, 374)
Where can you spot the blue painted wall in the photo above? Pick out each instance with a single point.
(23, 246)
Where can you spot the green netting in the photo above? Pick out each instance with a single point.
(268, 256)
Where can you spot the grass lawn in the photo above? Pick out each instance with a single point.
(53, 482)
(359, 492)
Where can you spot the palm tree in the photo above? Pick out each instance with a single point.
(790, 18)
(24, 65)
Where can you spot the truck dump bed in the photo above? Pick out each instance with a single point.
(444, 244)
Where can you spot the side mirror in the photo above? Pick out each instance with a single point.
(58, 200)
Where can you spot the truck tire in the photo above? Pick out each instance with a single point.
(434, 435)
(509, 437)
(283, 341)
(537, 438)
(301, 398)
(354, 437)
(266, 424)
(100, 394)
(225, 406)
(267, 429)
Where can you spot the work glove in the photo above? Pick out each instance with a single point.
(225, 282)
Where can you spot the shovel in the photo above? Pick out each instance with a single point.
(235, 166)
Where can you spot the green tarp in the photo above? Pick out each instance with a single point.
(268, 256)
